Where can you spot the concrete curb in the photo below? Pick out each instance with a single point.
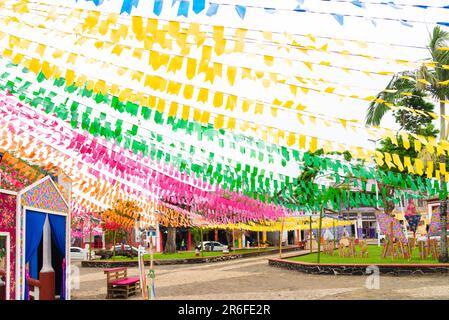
(359, 269)
(134, 263)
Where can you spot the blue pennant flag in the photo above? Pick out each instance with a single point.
(241, 10)
(128, 5)
(183, 9)
(157, 7)
(299, 9)
(446, 24)
(198, 5)
(393, 5)
(339, 18)
(270, 10)
(212, 9)
(96, 2)
(405, 23)
(357, 3)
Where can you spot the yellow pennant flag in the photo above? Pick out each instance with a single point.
(419, 166)
(313, 144)
(259, 108)
(203, 95)
(185, 112)
(205, 117)
(231, 123)
(219, 121)
(231, 73)
(161, 105)
(218, 99)
(188, 91)
(246, 104)
(308, 65)
(231, 102)
(191, 68)
(173, 109)
(429, 169)
(291, 139)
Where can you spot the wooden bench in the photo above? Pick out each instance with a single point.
(119, 285)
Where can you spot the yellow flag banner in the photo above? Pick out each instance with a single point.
(286, 224)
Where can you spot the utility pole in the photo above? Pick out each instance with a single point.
(319, 233)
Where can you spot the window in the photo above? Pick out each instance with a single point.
(75, 250)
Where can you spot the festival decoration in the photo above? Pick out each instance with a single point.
(435, 224)
(390, 226)
(391, 161)
(198, 6)
(412, 217)
(336, 168)
(148, 119)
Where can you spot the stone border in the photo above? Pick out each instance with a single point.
(359, 269)
(134, 263)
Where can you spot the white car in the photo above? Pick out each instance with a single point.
(212, 246)
(77, 253)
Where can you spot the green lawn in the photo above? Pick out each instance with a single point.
(373, 258)
(188, 254)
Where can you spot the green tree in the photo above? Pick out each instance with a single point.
(431, 81)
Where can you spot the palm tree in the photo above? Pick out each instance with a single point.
(429, 81)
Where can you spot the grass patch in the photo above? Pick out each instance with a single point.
(186, 255)
(374, 257)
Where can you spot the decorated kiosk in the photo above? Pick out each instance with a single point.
(34, 234)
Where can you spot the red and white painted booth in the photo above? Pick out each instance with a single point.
(34, 239)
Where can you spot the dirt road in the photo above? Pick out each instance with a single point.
(253, 279)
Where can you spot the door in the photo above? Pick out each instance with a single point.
(5, 266)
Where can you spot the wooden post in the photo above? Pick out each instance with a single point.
(90, 238)
(319, 233)
(281, 233)
(310, 234)
(258, 240)
(114, 242)
(189, 240)
(233, 241)
(201, 232)
(335, 234)
(390, 248)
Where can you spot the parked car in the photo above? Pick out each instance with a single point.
(212, 246)
(77, 253)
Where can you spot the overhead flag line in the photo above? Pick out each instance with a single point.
(285, 34)
(241, 10)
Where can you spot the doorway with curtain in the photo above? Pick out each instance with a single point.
(35, 221)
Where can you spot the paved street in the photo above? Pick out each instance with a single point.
(254, 279)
